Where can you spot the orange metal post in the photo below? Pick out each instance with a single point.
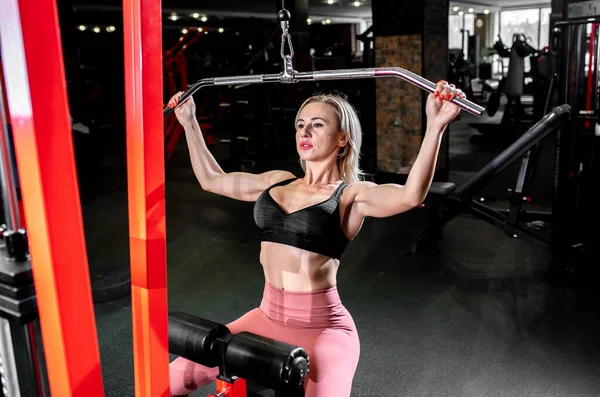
(146, 182)
(37, 102)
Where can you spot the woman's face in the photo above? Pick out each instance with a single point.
(318, 135)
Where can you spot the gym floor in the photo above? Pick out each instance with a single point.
(472, 318)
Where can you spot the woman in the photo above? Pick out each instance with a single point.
(305, 225)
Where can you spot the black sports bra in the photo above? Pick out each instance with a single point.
(315, 228)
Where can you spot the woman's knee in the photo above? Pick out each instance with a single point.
(334, 362)
(336, 383)
(186, 376)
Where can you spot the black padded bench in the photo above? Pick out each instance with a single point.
(442, 188)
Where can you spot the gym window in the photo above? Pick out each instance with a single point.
(534, 23)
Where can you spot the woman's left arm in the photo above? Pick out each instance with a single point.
(381, 201)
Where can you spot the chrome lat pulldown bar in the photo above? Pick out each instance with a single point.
(290, 76)
(341, 74)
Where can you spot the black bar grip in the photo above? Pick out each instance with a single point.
(188, 93)
(548, 124)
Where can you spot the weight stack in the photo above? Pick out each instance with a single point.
(21, 352)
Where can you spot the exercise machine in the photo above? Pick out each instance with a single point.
(368, 39)
(578, 147)
(513, 84)
(446, 200)
(527, 93)
(463, 71)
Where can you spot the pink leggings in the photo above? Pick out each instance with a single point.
(316, 321)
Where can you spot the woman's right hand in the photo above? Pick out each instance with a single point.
(186, 112)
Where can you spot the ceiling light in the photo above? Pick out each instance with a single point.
(96, 29)
(204, 18)
(470, 10)
(486, 11)
(309, 21)
(221, 30)
(82, 27)
(110, 29)
(357, 3)
(328, 21)
(461, 13)
(196, 15)
(199, 29)
(329, 1)
(184, 31)
(173, 17)
(455, 9)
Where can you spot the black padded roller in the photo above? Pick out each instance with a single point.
(266, 361)
(194, 338)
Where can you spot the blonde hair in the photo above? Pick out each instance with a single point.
(349, 156)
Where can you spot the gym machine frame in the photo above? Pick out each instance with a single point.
(577, 38)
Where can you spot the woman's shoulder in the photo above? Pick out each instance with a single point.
(360, 185)
(278, 176)
(352, 189)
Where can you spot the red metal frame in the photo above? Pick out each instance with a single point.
(175, 65)
(175, 69)
(175, 61)
(37, 102)
(146, 182)
(237, 388)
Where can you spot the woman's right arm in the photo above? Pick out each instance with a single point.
(237, 185)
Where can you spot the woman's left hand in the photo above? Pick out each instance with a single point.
(440, 111)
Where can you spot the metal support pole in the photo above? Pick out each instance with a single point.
(146, 185)
(8, 173)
